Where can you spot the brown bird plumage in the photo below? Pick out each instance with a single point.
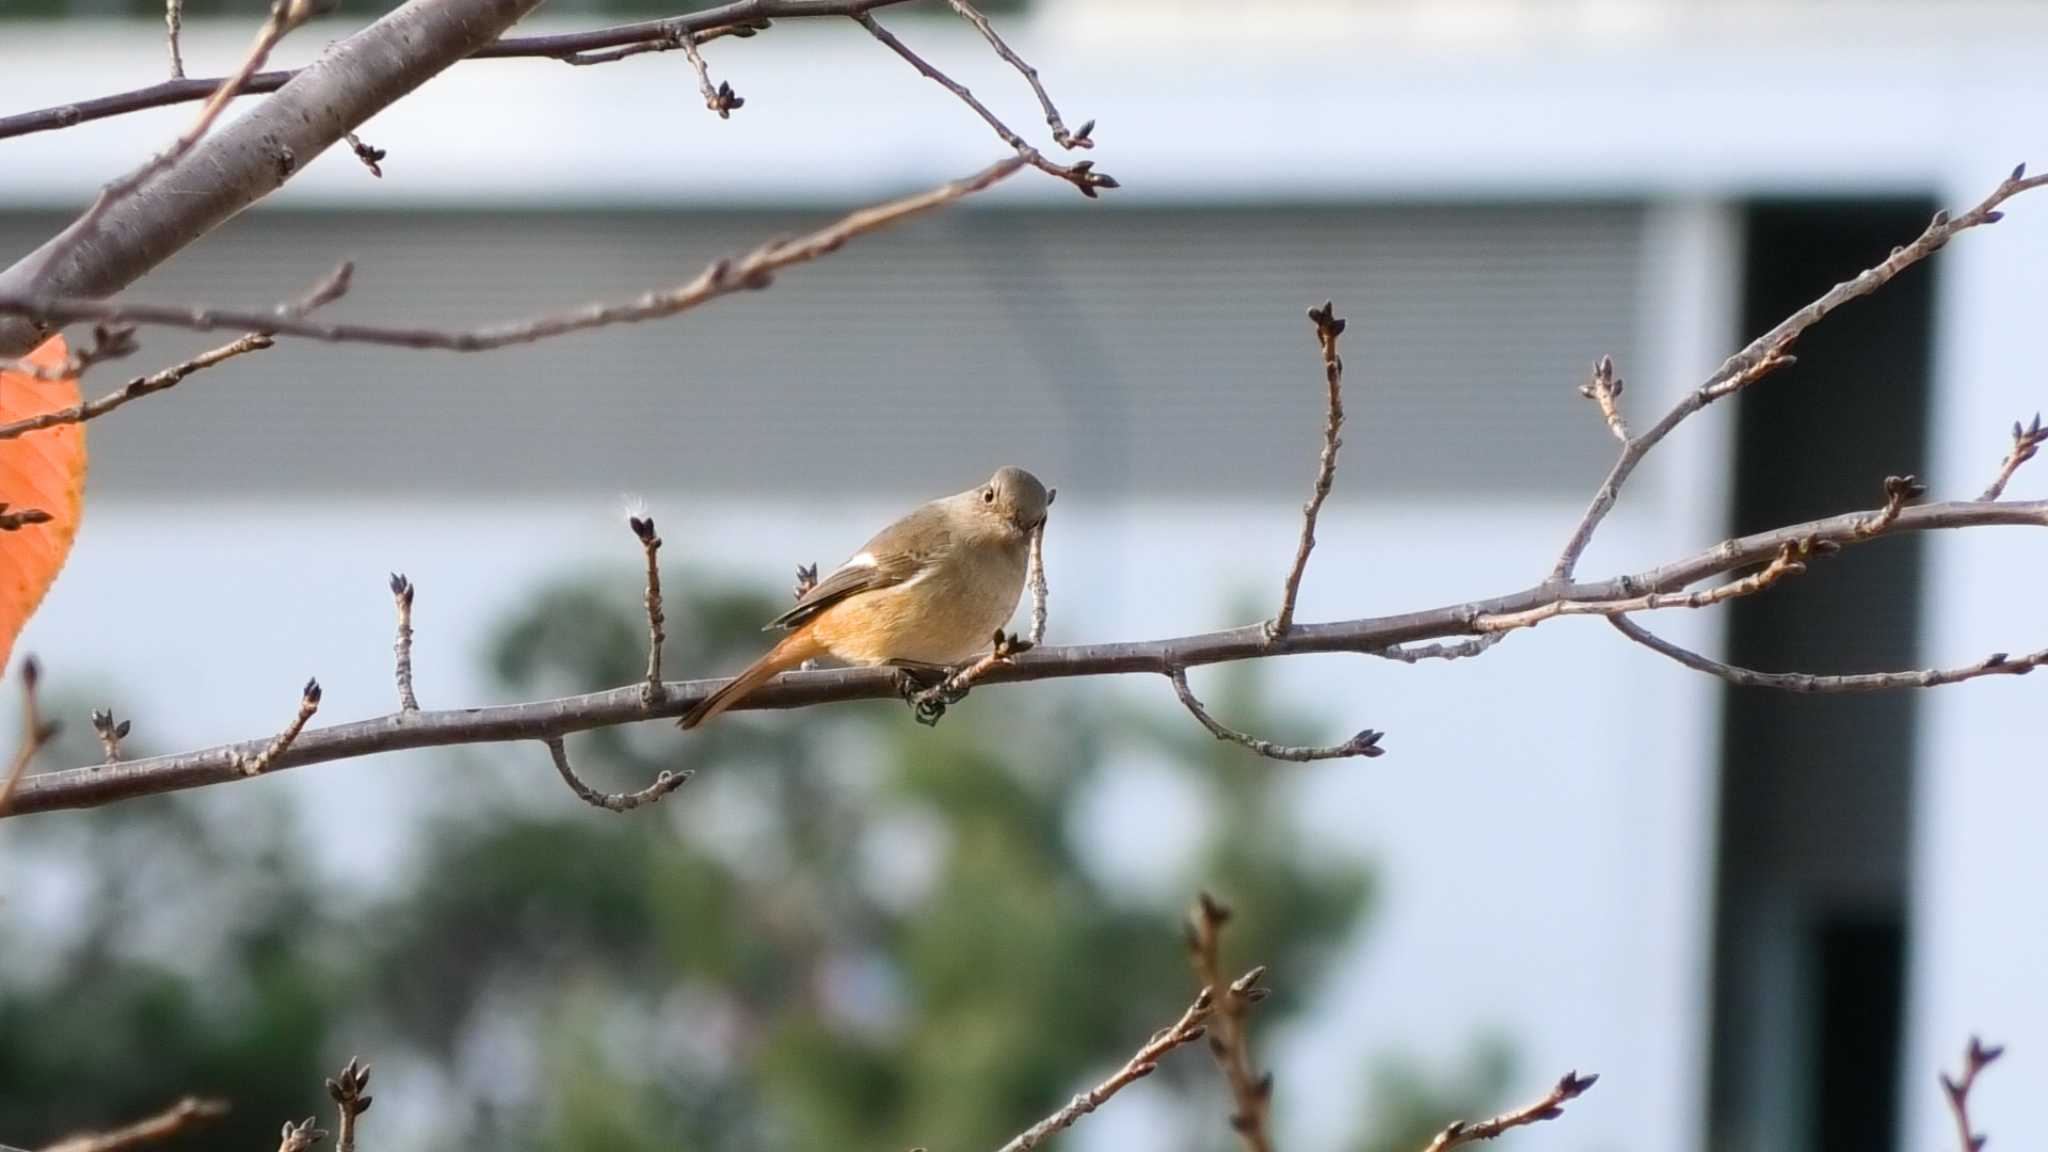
(930, 589)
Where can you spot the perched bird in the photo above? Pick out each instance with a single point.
(928, 591)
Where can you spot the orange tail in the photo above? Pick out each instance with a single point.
(794, 649)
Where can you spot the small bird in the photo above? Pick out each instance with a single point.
(927, 592)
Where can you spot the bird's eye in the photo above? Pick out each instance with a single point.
(988, 495)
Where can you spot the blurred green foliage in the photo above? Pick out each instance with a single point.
(848, 931)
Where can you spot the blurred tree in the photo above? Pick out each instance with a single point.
(848, 931)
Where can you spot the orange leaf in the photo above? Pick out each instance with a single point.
(43, 470)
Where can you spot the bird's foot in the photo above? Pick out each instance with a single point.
(930, 700)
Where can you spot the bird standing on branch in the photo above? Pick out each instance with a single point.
(925, 594)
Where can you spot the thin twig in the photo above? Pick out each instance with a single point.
(109, 342)
(309, 703)
(754, 270)
(720, 98)
(1060, 135)
(1230, 1031)
(1190, 1027)
(1976, 1058)
(1768, 352)
(1366, 743)
(1897, 491)
(664, 44)
(330, 288)
(1081, 174)
(2026, 441)
(643, 36)
(174, 18)
(36, 733)
(94, 785)
(19, 518)
(1790, 561)
(350, 1101)
(650, 543)
(1996, 664)
(136, 389)
(1570, 1087)
(285, 15)
(110, 733)
(1328, 326)
(401, 648)
(664, 783)
(181, 1117)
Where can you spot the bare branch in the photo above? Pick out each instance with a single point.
(250, 156)
(1329, 326)
(1458, 650)
(35, 734)
(285, 15)
(719, 98)
(109, 342)
(2026, 441)
(650, 542)
(1230, 1032)
(1081, 174)
(1790, 561)
(174, 18)
(309, 703)
(665, 44)
(350, 1101)
(100, 784)
(1768, 352)
(754, 270)
(1975, 1059)
(1189, 1028)
(1060, 135)
(1996, 664)
(664, 783)
(136, 389)
(181, 1117)
(331, 287)
(1567, 1089)
(401, 648)
(1366, 743)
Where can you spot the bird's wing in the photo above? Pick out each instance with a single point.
(895, 555)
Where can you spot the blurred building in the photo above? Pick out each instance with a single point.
(1766, 920)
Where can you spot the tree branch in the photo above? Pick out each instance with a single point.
(1230, 1034)
(1060, 135)
(1186, 1030)
(1976, 1058)
(664, 783)
(754, 270)
(740, 18)
(1996, 664)
(650, 543)
(181, 1117)
(1768, 352)
(401, 648)
(1567, 1089)
(251, 156)
(35, 734)
(1329, 326)
(1366, 743)
(348, 1091)
(101, 784)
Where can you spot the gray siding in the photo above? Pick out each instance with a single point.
(1116, 351)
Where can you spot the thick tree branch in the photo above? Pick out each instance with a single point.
(101, 784)
(251, 156)
(1768, 352)
(754, 270)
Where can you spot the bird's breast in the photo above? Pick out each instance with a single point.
(942, 615)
